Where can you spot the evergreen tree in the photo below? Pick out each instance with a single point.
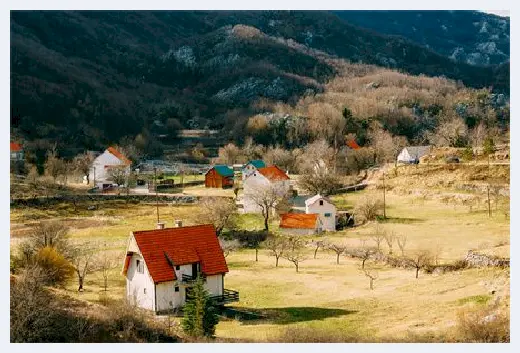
(200, 316)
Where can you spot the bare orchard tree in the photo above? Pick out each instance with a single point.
(296, 255)
(378, 235)
(267, 197)
(83, 163)
(338, 249)
(82, 257)
(401, 242)
(54, 166)
(369, 208)
(365, 252)
(390, 238)
(107, 261)
(420, 260)
(218, 211)
(228, 246)
(450, 133)
(276, 246)
(372, 275)
(319, 244)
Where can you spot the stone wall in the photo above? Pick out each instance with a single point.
(44, 201)
(474, 259)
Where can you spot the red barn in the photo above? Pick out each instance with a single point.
(220, 176)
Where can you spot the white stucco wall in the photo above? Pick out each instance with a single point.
(98, 166)
(140, 288)
(214, 285)
(247, 171)
(257, 180)
(404, 156)
(328, 223)
(298, 231)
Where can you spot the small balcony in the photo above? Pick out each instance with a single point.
(228, 296)
(190, 280)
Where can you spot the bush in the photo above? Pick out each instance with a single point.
(369, 208)
(200, 317)
(57, 269)
(484, 326)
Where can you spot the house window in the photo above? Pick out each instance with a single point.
(177, 268)
(140, 266)
(321, 202)
(176, 288)
(144, 290)
(327, 215)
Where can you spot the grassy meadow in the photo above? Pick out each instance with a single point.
(323, 296)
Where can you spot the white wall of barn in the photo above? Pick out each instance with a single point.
(327, 213)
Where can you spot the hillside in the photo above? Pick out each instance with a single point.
(472, 37)
(86, 79)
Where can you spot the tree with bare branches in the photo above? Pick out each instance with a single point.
(276, 245)
(82, 259)
(378, 235)
(420, 260)
(267, 197)
(401, 242)
(218, 211)
(319, 244)
(83, 163)
(52, 234)
(372, 275)
(54, 166)
(390, 238)
(338, 249)
(365, 252)
(118, 174)
(228, 246)
(295, 255)
(107, 261)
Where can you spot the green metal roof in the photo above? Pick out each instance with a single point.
(224, 170)
(258, 163)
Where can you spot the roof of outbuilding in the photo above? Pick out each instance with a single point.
(418, 151)
(119, 155)
(273, 173)
(224, 170)
(183, 245)
(315, 198)
(258, 163)
(15, 147)
(299, 220)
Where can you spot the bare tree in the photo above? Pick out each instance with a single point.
(372, 275)
(420, 260)
(83, 163)
(401, 242)
(324, 183)
(276, 246)
(295, 255)
(365, 252)
(254, 240)
(82, 256)
(118, 174)
(228, 246)
(378, 235)
(54, 166)
(107, 261)
(450, 132)
(390, 238)
(50, 234)
(319, 244)
(218, 211)
(267, 197)
(369, 208)
(338, 249)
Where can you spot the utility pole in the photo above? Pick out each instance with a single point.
(156, 193)
(384, 197)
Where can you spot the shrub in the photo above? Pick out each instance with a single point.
(484, 326)
(57, 269)
(369, 208)
(200, 317)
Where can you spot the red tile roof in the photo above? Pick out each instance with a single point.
(127, 262)
(353, 144)
(119, 155)
(273, 173)
(15, 147)
(184, 245)
(299, 220)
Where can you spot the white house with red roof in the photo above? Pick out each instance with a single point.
(161, 266)
(104, 163)
(262, 179)
(16, 151)
(324, 208)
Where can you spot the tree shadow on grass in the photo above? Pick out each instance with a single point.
(283, 316)
(401, 220)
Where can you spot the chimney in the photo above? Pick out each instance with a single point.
(178, 223)
(160, 225)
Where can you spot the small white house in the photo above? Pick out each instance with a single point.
(161, 266)
(300, 224)
(102, 165)
(412, 154)
(251, 167)
(262, 179)
(324, 208)
(16, 152)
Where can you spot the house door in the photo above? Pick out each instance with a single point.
(194, 270)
